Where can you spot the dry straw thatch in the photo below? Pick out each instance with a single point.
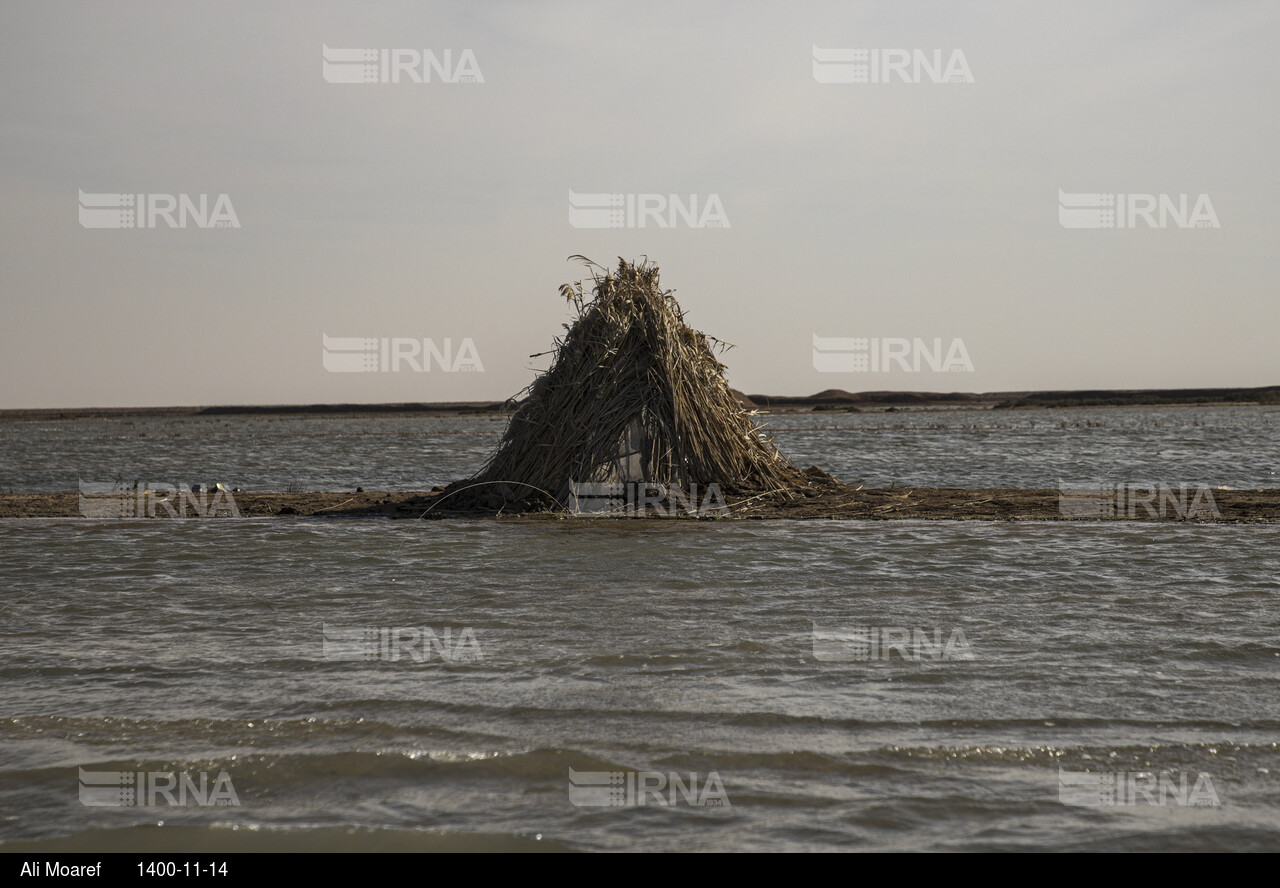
(633, 394)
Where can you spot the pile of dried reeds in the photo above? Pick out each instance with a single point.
(629, 363)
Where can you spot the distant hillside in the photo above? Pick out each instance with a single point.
(1121, 397)
(837, 399)
(830, 399)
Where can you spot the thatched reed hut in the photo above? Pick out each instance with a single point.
(633, 394)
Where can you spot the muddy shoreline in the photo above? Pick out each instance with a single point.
(836, 501)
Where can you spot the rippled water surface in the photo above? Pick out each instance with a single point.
(1233, 446)
(617, 647)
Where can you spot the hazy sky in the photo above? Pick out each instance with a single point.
(441, 210)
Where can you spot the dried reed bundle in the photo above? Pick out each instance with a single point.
(631, 390)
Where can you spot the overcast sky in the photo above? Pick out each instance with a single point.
(441, 210)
